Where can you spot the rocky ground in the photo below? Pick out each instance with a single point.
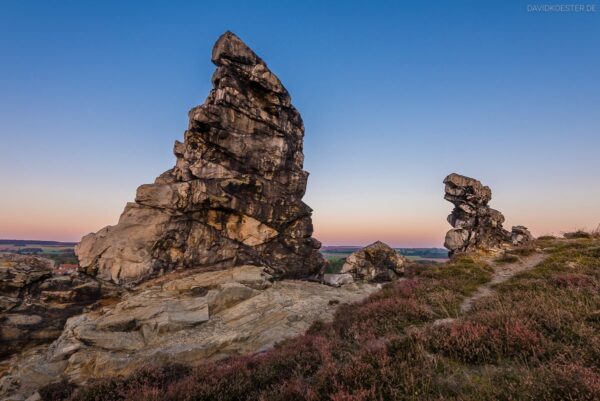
(535, 337)
(191, 319)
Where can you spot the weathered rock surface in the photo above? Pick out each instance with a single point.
(377, 262)
(198, 317)
(235, 194)
(477, 227)
(520, 236)
(34, 304)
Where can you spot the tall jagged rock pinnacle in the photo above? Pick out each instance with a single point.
(235, 194)
(477, 227)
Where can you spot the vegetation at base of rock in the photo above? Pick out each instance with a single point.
(535, 338)
(334, 265)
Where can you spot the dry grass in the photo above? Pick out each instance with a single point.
(507, 258)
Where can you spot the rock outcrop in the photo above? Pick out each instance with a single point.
(520, 236)
(184, 319)
(34, 304)
(235, 194)
(477, 227)
(377, 262)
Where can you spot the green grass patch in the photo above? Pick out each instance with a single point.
(334, 264)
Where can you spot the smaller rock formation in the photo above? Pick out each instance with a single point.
(477, 227)
(377, 262)
(34, 304)
(520, 235)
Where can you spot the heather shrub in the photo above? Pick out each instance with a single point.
(143, 380)
(565, 382)
(57, 391)
(378, 318)
(570, 280)
(489, 338)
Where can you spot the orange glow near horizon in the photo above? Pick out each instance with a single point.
(404, 225)
(348, 233)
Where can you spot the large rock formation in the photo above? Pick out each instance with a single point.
(235, 194)
(477, 227)
(184, 318)
(377, 262)
(34, 304)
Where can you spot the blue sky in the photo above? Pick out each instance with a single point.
(394, 97)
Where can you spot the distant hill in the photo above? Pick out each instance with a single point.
(25, 242)
(60, 252)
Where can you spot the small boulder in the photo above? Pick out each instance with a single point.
(520, 236)
(376, 262)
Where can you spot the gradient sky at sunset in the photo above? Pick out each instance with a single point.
(394, 97)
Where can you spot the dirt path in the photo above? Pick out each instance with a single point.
(502, 272)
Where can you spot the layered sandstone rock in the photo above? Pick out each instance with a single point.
(377, 262)
(235, 194)
(187, 319)
(477, 227)
(34, 304)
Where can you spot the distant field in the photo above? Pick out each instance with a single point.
(417, 254)
(60, 252)
(44, 248)
(24, 242)
(336, 255)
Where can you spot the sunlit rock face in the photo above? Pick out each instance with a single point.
(476, 226)
(235, 194)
